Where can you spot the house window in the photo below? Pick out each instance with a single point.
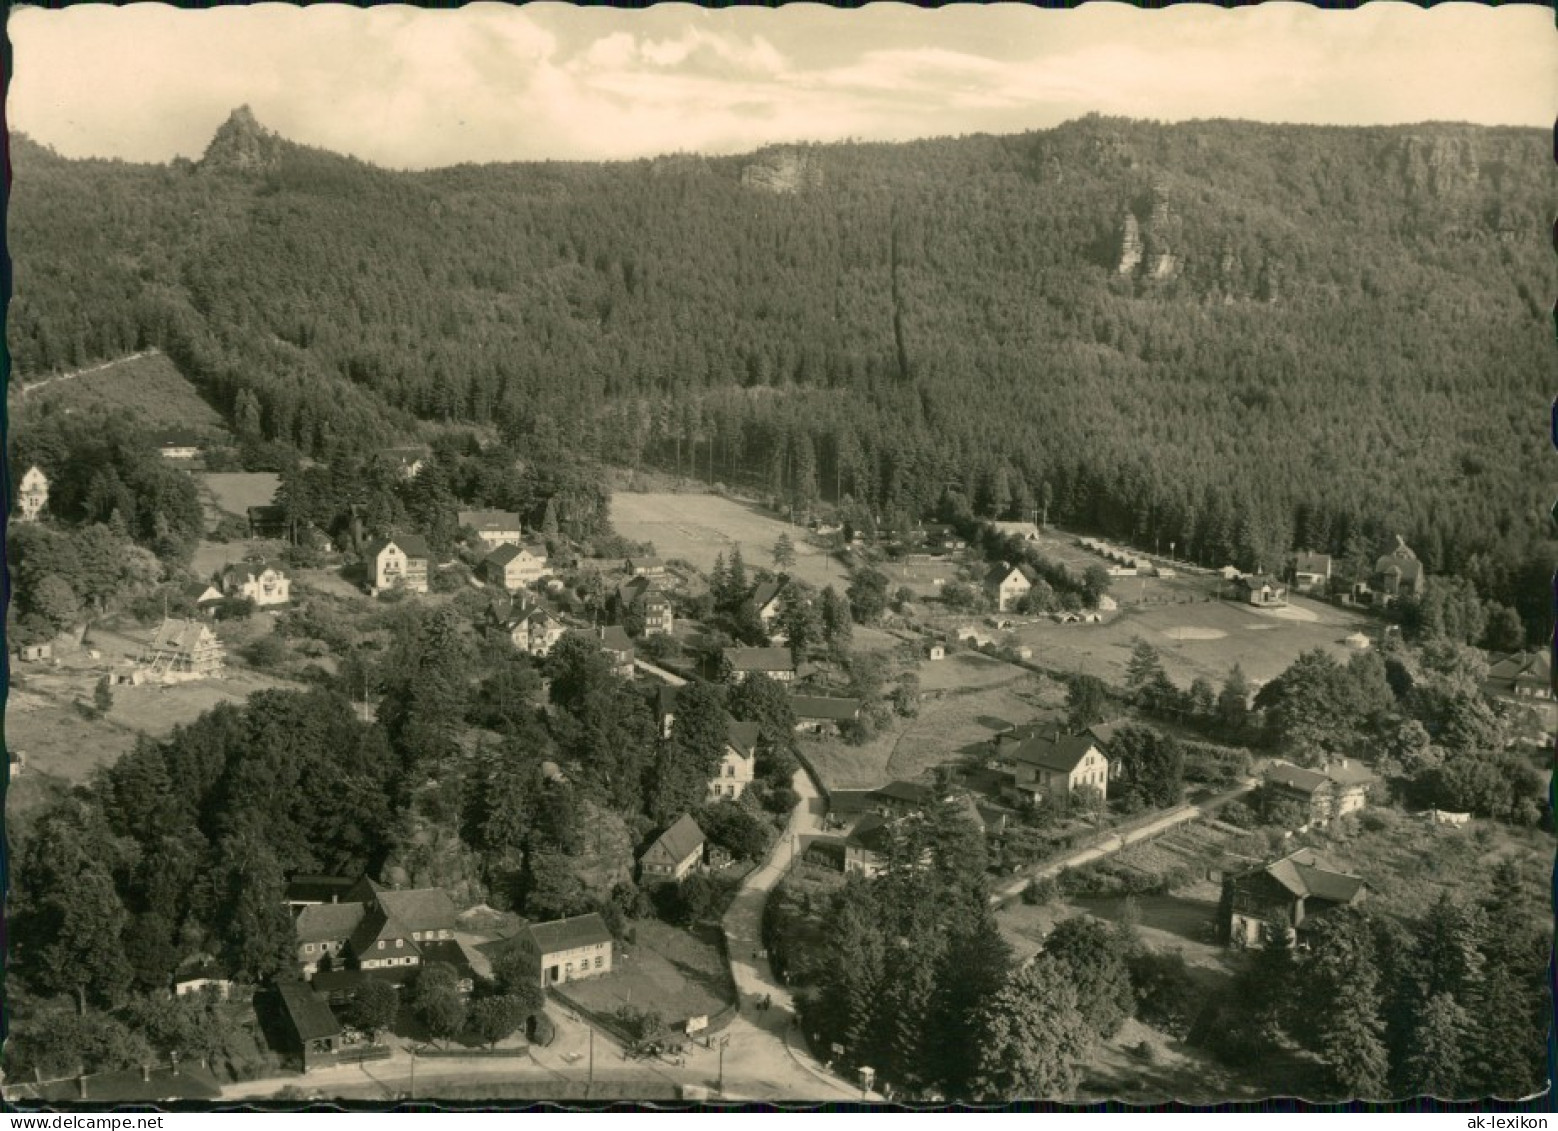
(308, 948)
(599, 961)
(416, 935)
(381, 944)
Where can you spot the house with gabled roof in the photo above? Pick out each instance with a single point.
(644, 566)
(408, 461)
(1008, 584)
(1261, 590)
(398, 562)
(261, 582)
(775, 663)
(529, 625)
(32, 495)
(179, 443)
(1039, 763)
(367, 927)
(185, 649)
(573, 948)
(315, 1032)
(768, 599)
(617, 646)
(674, 853)
(868, 846)
(641, 596)
(821, 714)
(1520, 675)
(738, 764)
(1399, 573)
(515, 565)
(904, 797)
(1332, 791)
(1275, 902)
(493, 528)
(1311, 572)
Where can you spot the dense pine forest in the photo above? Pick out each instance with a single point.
(1240, 338)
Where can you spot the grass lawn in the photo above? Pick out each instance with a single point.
(1198, 638)
(947, 730)
(236, 491)
(210, 557)
(676, 972)
(698, 528)
(148, 389)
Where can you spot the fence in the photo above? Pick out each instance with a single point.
(362, 1055)
(430, 1054)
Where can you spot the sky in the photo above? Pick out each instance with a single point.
(410, 88)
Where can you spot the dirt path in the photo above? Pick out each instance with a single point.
(36, 385)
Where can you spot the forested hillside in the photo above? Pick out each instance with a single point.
(1241, 338)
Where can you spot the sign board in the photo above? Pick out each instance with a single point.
(698, 1024)
(838, 1049)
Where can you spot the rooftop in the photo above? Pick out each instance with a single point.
(760, 659)
(307, 1011)
(821, 708)
(678, 842)
(566, 934)
(412, 545)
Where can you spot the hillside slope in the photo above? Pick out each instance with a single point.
(1238, 337)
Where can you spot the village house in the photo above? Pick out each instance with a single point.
(1311, 572)
(1008, 584)
(1038, 764)
(901, 798)
(206, 978)
(662, 701)
(179, 443)
(530, 627)
(674, 853)
(1261, 590)
(571, 949)
(32, 495)
(314, 1031)
(939, 538)
(260, 582)
(821, 715)
(1399, 573)
(493, 528)
(1332, 791)
(372, 928)
(1274, 902)
(642, 597)
(267, 521)
(1106, 603)
(400, 562)
(618, 647)
(204, 597)
(407, 462)
(868, 846)
(768, 600)
(185, 649)
(775, 663)
(645, 567)
(1520, 675)
(514, 566)
(738, 764)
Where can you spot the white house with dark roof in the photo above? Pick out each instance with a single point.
(179, 443)
(822, 714)
(1332, 791)
(1399, 573)
(1311, 572)
(369, 927)
(617, 646)
(571, 949)
(1008, 584)
(738, 764)
(260, 582)
(1039, 763)
(399, 562)
(775, 663)
(674, 853)
(493, 528)
(515, 565)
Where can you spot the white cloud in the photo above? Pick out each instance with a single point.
(414, 87)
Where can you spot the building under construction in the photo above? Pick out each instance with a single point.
(184, 649)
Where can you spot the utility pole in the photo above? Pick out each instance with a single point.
(589, 1082)
(723, 1041)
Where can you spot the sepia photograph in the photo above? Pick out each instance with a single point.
(890, 557)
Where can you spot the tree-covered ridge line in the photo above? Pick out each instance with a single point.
(1345, 346)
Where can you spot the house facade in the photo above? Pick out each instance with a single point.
(261, 583)
(1311, 572)
(618, 647)
(532, 629)
(493, 528)
(313, 1028)
(32, 495)
(642, 597)
(1272, 903)
(822, 715)
(775, 663)
(1520, 675)
(674, 853)
(737, 765)
(398, 563)
(1332, 791)
(375, 929)
(1399, 573)
(179, 444)
(1008, 584)
(768, 601)
(407, 462)
(645, 567)
(185, 649)
(1044, 765)
(571, 949)
(514, 566)
(1261, 590)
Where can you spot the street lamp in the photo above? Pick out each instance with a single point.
(723, 1041)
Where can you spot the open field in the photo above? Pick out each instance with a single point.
(698, 528)
(945, 731)
(146, 387)
(668, 970)
(236, 491)
(1204, 638)
(210, 557)
(968, 670)
(919, 573)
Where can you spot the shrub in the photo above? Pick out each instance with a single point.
(1040, 892)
